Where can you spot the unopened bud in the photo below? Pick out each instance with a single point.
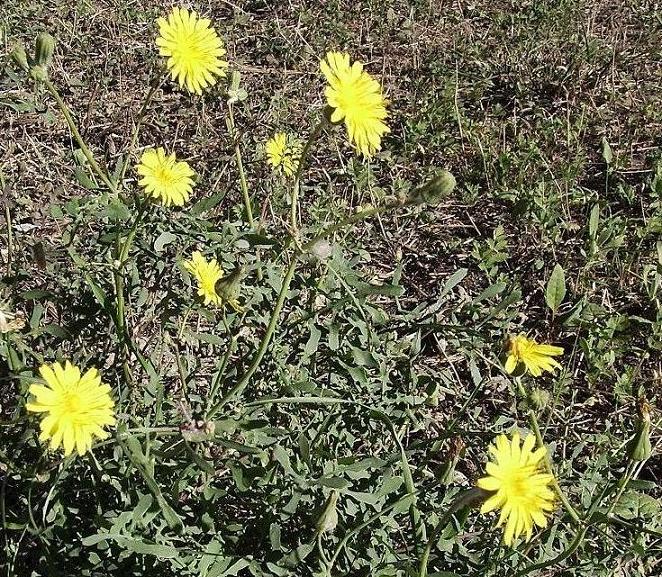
(639, 448)
(44, 48)
(20, 57)
(328, 520)
(229, 287)
(538, 398)
(446, 471)
(434, 190)
(39, 73)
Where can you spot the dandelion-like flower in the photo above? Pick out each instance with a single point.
(76, 407)
(521, 490)
(356, 98)
(193, 48)
(164, 178)
(213, 286)
(284, 153)
(206, 274)
(535, 357)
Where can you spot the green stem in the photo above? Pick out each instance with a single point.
(240, 167)
(417, 523)
(576, 542)
(157, 431)
(264, 344)
(10, 236)
(122, 252)
(224, 363)
(533, 420)
(359, 528)
(141, 116)
(314, 133)
(622, 485)
(613, 520)
(353, 219)
(78, 138)
(465, 499)
(415, 515)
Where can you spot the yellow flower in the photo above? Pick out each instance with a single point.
(213, 287)
(535, 357)
(207, 274)
(356, 98)
(521, 490)
(77, 407)
(193, 48)
(284, 153)
(164, 178)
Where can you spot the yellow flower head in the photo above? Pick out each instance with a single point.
(193, 48)
(284, 153)
(213, 287)
(535, 357)
(207, 274)
(164, 178)
(521, 490)
(356, 98)
(76, 407)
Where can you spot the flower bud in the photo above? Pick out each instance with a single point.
(328, 519)
(229, 287)
(538, 398)
(39, 73)
(446, 470)
(44, 48)
(639, 448)
(20, 57)
(434, 190)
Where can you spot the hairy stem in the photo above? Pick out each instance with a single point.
(10, 236)
(156, 84)
(465, 499)
(240, 168)
(359, 528)
(314, 133)
(94, 165)
(576, 542)
(264, 344)
(533, 420)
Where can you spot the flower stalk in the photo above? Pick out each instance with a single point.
(533, 421)
(240, 167)
(264, 344)
(94, 165)
(468, 498)
(314, 134)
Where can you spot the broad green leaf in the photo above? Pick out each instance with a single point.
(594, 221)
(555, 291)
(165, 238)
(452, 281)
(607, 154)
